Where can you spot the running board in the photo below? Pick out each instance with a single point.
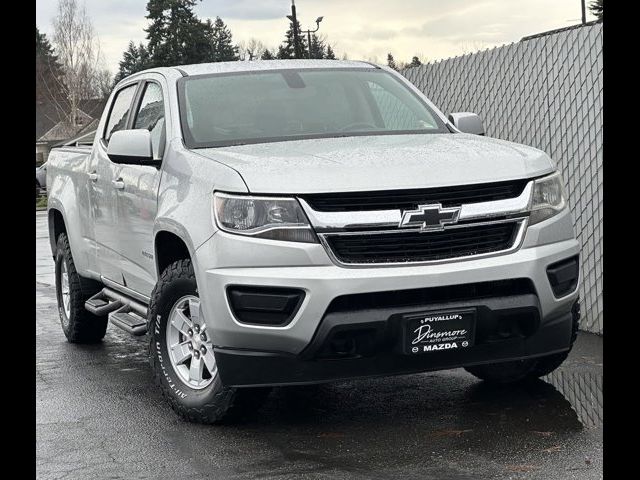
(124, 312)
(129, 321)
(101, 305)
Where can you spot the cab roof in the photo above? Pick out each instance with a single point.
(257, 65)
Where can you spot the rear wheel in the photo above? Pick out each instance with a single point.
(72, 290)
(181, 353)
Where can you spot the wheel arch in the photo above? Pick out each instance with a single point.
(170, 247)
(57, 225)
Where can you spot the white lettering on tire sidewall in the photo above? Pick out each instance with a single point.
(165, 371)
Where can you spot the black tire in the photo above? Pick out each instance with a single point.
(216, 402)
(523, 370)
(504, 372)
(546, 365)
(80, 326)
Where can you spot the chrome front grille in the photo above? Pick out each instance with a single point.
(371, 237)
(401, 247)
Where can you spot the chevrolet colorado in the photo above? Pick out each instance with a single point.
(290, 222)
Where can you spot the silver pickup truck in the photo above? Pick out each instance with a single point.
(291, 222)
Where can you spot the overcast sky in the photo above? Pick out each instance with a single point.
(364, 29)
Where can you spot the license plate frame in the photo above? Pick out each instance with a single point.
(428, 331)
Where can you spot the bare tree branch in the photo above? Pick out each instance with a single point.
(251, 49)
(78, 51)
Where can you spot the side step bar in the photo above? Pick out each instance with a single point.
(129, 321)
(124, 312)
(101, 305)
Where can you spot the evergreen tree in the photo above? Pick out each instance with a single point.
(391, 62)
(43, 48)
(196, 41)
(48, 70)
(597, 8)
(134, 59)
(176, 36)
(144, 59)
(317, 47)
(330, 53)
(222, 43)
(415, 62)
(286, 50)
(157, 34)
(267, 55)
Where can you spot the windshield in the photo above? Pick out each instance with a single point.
(271, 106)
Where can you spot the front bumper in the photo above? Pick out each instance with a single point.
(243, 348)
(323, 283)
(256, 368)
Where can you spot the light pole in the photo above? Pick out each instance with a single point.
(309, 32)
(584, 12)
(294, 21)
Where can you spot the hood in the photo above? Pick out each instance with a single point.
(384, 162)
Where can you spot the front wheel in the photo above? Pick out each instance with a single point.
(520, 370)
(505, 372)
(181, 352)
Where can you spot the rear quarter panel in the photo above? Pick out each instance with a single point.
(68, 191)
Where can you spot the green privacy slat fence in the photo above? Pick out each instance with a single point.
(545, 92)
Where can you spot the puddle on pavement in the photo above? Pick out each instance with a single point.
(563, 401)
(566, 401)
(583, 390)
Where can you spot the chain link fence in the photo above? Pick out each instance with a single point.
(544, 91)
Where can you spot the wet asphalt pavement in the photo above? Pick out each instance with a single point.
(99, 415)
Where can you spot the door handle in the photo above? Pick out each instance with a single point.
(118, 184)
(93, 176)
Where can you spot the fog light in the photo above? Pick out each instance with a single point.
(274, 306)
(563, 276)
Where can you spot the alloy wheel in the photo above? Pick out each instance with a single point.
(189, 344)
(65, 290)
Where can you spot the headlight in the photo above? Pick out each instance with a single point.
(548, 198)
(264, 217)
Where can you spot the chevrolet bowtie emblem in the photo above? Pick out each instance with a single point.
(429, 218)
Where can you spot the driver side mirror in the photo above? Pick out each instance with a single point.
(467, 122)
(132, 147)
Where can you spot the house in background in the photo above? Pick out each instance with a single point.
(53, 127)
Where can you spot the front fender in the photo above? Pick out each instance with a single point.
(185, 195)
